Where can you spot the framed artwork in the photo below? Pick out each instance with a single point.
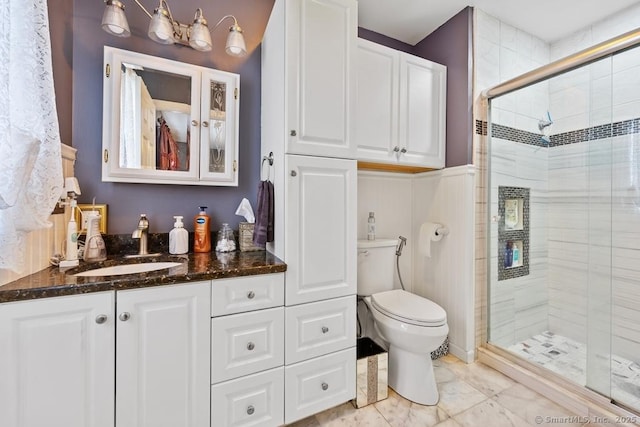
(81, 217)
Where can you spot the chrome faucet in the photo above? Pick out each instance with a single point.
(142, 233)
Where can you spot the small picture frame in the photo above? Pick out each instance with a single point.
(81, 219)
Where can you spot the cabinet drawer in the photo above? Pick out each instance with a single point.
(318, 384)
(245, 343)
(249, 401)
(319, 328)
(240, 294)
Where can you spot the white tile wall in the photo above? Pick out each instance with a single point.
(582, 248)
(41, 244)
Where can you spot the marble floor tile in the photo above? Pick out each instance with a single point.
(347, 415)
(529, 405)
(490, 413)
(400, 412)
(457, 396)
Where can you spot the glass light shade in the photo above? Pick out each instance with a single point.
(200, 38)
(235, 42)
(160, 27)
(114, 21)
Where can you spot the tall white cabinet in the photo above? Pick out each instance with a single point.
(401, 107)
(308, 89)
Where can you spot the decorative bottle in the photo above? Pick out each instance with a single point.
(371, 227)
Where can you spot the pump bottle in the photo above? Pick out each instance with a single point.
(178, 238)
(202, 231)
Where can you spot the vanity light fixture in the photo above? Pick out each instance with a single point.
(166, 30)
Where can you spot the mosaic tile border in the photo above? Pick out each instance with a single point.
(609, 130)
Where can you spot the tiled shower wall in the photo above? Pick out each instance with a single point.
(41, 244)
(578, 174)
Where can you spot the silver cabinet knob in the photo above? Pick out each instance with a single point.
(325, 386)
(101, 318)
(293, 132)
(205, 124)
(396, 149)
(250, 409)
(325, 329)
(251, 294)
(251, 346)
(124, 316)
(294, 173)
(404, 150)
(194, 123)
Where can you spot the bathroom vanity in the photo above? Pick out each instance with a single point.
(198, 344)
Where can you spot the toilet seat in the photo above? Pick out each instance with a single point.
(409, 308)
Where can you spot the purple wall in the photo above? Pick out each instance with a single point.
(61, 30)
(78, 43)
(450, 45)
(162, 202)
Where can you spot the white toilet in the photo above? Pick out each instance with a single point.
(411, 325)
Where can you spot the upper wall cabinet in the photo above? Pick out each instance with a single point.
(401, 107)
(308, 87)
(167, 122)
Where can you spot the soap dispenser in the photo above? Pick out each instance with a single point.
(178, 238)
(94, 247)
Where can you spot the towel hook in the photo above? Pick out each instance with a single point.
(269, 159)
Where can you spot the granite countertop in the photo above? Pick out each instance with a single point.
(52, 281)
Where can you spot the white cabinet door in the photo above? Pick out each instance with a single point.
(219, 127)
(57, 362)
(377, 101)
(321, 44)
(162, 360)
(320, 219)
(422, 112)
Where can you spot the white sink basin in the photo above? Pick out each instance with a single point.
(128, 269)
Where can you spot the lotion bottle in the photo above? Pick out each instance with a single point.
(371, 227)
(178, 238)
(202, 231)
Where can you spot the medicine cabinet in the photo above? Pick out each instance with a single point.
(168, 122)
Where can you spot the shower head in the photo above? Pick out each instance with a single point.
(546, 122)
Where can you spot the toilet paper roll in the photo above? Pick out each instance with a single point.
(427, 235)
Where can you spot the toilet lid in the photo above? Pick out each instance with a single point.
(410, 308)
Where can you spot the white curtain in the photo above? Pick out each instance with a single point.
(30, 162)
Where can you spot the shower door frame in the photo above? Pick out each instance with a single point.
(494, 355)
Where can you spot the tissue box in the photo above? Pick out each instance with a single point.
(246, 238)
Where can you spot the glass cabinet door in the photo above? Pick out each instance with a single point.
(219, 132)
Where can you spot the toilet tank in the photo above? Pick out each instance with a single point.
(376, 265)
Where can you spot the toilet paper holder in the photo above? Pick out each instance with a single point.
(442, 231)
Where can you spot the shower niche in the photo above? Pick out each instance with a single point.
(513, 232)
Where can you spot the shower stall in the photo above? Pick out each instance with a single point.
(563, 236)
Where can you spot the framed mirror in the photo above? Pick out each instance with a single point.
(168, 122)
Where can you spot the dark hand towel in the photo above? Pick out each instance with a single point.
(263, 231)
